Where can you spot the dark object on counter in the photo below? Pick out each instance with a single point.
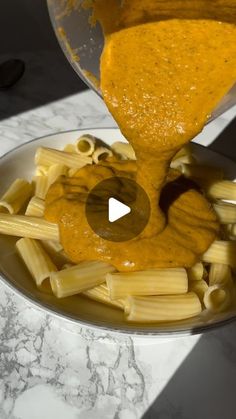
(10, 72)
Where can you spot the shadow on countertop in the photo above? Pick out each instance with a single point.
(27, 34)
(203, 387)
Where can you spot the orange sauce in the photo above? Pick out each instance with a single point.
(160, 80)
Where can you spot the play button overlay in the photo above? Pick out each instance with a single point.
(117, 209)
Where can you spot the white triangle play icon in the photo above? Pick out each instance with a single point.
(117, 210)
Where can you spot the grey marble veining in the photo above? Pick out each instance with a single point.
(52, 368)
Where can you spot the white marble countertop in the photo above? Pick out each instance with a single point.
(53, 369)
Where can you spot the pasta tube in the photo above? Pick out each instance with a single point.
(55, 171)
(162, 308)
(101, 294)
(151, 282)
(85, 145)
(199, 287)
(101, 153)
(201, 172)
(72, 172)
(217, 298)
(48, 156)
(220, 274)
(221, 252)
(36, 207)
(41, 186)
(16, 196)
(69, 148)
(54, 250)
(186, 150)
(196, 272)
(32, 227)
(226, 213)
(178, 162)
(79, 278)
(41, 171)
(36, 259)
(223, 189)
(124, 149)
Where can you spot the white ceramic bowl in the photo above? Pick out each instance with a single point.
(20, 163)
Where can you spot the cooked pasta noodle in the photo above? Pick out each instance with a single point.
(217, 298)
(153, 295)
(69, 148)
(48, 156)
(178, 162)
(36, 259)
(226, 212)
(55, 171)
(32, 227)
(124, 149)
(199, 287)
(16, 196)
(41, 170)
(79, 278)
(162, 308)
(101, 294)
(201, 172)
(85, 145)
(223, 189)
(220, 274)
(196, 272)
(186, 150)
(54, 249)
(36, 207)
(221, 252)
(152, 282)
(101, 153)
(41, 186)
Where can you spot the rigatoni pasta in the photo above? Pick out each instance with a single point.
(69, 148)
(41, 170)
(196, 272)
(201, 172)
(55, 171)
(101, 294)
(101, 153)
(24, 226)
(55, 250)
(85, 145)
(178, 162)
(16, 196)
(221, 252)
(186, 150)
(217, 298)
(125, 150)
(36, 259)
(162, 308)
(199, 287)
(154, 295)
(223, 189)
(226, 212)
(79, 278)
(48, 156)
(220, 274)
(41, 186)
(152, 282)
(36, 207)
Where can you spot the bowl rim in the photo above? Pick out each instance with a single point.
(144, 333)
